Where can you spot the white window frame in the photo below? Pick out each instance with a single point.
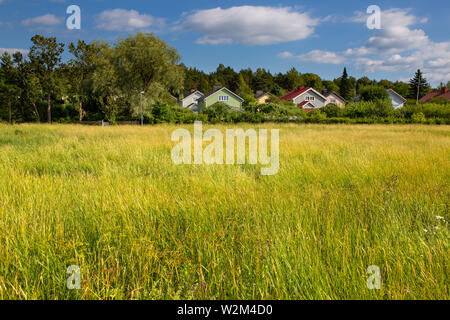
(224, 98)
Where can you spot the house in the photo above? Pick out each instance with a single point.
(443, 93)
(190, 101)
(306, 98)
(263, 97)
(397, 100)
(334, 98)
(223, 95)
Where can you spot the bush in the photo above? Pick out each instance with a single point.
(366, 109)
(418, 118)
(374, 93)
(332, 110)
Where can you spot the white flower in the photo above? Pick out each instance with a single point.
(439, 218)
(425, 230)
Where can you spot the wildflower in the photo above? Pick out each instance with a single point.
(425, 230)
(439, 218)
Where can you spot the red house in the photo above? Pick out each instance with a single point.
(444, 93)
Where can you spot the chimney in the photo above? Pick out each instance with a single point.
(193, 90)
(444, 90)
(217, 87)
(301, 88)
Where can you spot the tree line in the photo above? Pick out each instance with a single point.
(114, 81)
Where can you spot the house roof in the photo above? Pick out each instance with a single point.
(191, 93)
(306, 105)
(222, 88)
(444, 93)
(295, 93)
(396, 94)
(261, 94)
(327, 94)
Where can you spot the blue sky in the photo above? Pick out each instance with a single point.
(313, 36)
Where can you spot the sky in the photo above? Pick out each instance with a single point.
(317, 36)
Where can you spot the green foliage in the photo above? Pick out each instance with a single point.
(418, 118)
(346, 88)
(418, 86)
(332, 111)
(378, 108)
(373, 93)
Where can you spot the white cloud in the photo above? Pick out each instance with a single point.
(126, 20)
(13, 50)
(45, 20)
(316, 56)
(397, 47)
(250, 25)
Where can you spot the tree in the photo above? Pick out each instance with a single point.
(243, 89)
(80, 70)
(45, 55)
(345, 86)
(373, 93)
(418, 86)
(145, 63)
(31, 90)
(9, 84)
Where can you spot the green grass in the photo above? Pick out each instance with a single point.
(111, 201)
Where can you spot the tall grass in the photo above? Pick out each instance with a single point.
(110, 201)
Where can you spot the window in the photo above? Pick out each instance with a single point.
(224, 98)
(310, 98)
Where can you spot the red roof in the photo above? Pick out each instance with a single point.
(294, 94)
(444, 93)
(301, 104)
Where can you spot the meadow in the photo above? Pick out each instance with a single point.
(110, 201)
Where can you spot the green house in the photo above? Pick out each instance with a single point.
(222, 95)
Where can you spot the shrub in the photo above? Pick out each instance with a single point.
(418, 118)
(374, 93)
(332, 110)
(364, 109)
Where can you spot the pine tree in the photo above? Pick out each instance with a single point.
(345, 86)
(418, 86)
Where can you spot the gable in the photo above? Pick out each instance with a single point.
(311, 93)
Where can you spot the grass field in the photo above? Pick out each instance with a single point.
(110, 201)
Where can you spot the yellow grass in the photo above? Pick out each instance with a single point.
(110, 201)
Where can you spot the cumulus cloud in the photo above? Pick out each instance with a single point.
(45, 20)
(13, 50)
(126, 20)
(397, 47)
(250, 25)
(316, 56)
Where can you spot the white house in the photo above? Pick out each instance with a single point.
(334, 98)
(397, 100)
(306, 98)
(190, 101)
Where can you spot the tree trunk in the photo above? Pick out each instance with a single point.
(81, 111)
(9, 110)
(49, 110)
(36, 112)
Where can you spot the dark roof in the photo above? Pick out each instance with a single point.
(261, 94)
(395, 93)
(326, 94)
